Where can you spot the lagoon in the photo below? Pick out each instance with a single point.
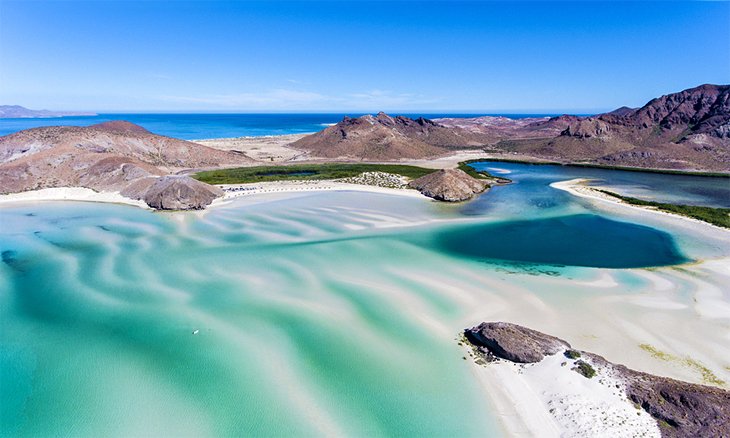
(330, 313)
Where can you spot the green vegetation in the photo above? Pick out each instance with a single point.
(538, 162)
(585, 369)
(243, 175)
(658, 354)
(480, 174)
(715, 216)
(708, 377)
(649, 170)
(572, 354)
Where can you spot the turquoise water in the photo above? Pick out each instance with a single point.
(99, 305)
(308, 314)
(200, 126)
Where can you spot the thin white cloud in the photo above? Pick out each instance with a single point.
(159, 76)
(281, 98)
(284, 99)
(387, 99)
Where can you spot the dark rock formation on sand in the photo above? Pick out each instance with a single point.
(111, 156)
(514, 343)
(382, 137)
(451, 185)
(173, 192)
(681, 409)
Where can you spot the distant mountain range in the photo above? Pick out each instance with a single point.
(685, 130)
(19, 112)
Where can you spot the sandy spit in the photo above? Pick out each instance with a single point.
(577, 187)
(239, 190)
(232, 191)
(70, 194)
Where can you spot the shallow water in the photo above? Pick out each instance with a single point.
(302, 314)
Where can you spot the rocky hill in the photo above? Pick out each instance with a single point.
(382, 137)
(450, 185)
(685, 130)
(105, 157)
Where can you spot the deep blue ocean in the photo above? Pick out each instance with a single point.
(201, 126)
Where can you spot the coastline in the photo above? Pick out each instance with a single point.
(70, 194)
(548, 399)
(523, 396)
(576, 187)
(521, 401)
(233, 191)
(88, 195)
(536, 161)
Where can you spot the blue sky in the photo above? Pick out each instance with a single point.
(279, 56)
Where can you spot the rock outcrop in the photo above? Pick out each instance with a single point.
(513, 342)
(173, 192)
(451, 185)
(586, 128)
(681, 409)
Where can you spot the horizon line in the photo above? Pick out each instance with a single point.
(575, 111)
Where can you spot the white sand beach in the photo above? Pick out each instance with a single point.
(70, 194)
(673, 328)
(232, 191)
(249, 189)
(549, 399)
